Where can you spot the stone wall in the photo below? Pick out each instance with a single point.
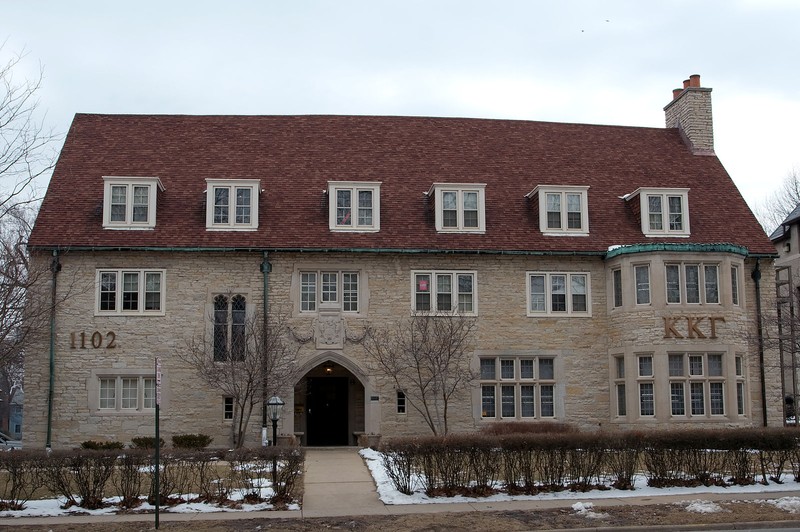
(583, 347)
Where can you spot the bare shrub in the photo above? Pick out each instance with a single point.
(21, 477)
(400, 457)
(128, 477)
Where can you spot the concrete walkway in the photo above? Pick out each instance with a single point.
(338, 483)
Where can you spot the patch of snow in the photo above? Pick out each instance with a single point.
(703, 507)
(788, 504)
(586, 509)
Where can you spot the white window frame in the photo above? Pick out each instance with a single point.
(329, 298)
(254, 185)
(141, 397)
(120, 290)
(354, 187)
(543, 389)
(664, 193)
(563, 192)
(433, 292)
(151, 183)
(438, 189)
(548, 294)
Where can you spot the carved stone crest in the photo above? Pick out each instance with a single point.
(329, 329)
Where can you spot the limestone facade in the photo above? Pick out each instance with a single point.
(585, 350)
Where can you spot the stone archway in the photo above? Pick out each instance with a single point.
(330, 401)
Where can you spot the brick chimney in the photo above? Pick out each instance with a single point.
(690, 112)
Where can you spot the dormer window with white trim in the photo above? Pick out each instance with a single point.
(460, 208)
(232, 204)
(130, 202)
(563, 210)
(354, 206)
(664, 211)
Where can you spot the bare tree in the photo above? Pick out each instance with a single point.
(427, 357)
(26, 153)
(248, 360)
(774, 209)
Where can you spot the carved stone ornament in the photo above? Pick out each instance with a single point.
(329, 329)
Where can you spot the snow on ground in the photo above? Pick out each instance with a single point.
(788, 504)
(389, 495)
(703, 507)
(53, 507)
(586, 509)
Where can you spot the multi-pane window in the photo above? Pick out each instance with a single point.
(558, 293)
(446, 292)
(524, 387)
(616, 283)
(401, 402)
(646, 386)
(642, 279)
(232, 204)
(108, 394)
(229, 327)
(337, 288)
(130, 292)
(459, 207)
(354, 206)
(696, 384)
(126, 393)
(130, 203)
(227, 408)
(666, 213)
(692, 283)
(562, 209)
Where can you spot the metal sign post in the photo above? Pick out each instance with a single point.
(157, 442)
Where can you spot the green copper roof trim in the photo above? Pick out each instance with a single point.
(681, 248)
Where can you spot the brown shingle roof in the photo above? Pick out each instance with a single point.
(295, 157)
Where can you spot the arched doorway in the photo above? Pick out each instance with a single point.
(329, 405)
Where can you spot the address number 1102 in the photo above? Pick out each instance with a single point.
(95, 340)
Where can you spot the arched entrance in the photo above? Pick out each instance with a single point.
(329, 405)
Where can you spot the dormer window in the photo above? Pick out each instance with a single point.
(460, 208)
(354, 206)
(663, 212)
(563, 210)
(130, 202)
(232, 204)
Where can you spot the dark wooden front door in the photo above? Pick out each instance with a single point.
(327, 411)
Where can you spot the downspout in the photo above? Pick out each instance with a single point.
(756, 275)
(266, 267)
(55, 267)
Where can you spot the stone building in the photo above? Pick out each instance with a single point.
(614, 273)
(786, 329)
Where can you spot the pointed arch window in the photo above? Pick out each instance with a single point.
(229, 327)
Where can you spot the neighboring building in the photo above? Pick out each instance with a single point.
(786, 238)
(609, 268)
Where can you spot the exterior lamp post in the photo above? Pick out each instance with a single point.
(274, 407)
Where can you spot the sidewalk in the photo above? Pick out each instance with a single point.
(338, 483)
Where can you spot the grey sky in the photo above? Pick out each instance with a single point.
(609, 62)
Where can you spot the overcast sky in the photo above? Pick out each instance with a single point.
(598, 62)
